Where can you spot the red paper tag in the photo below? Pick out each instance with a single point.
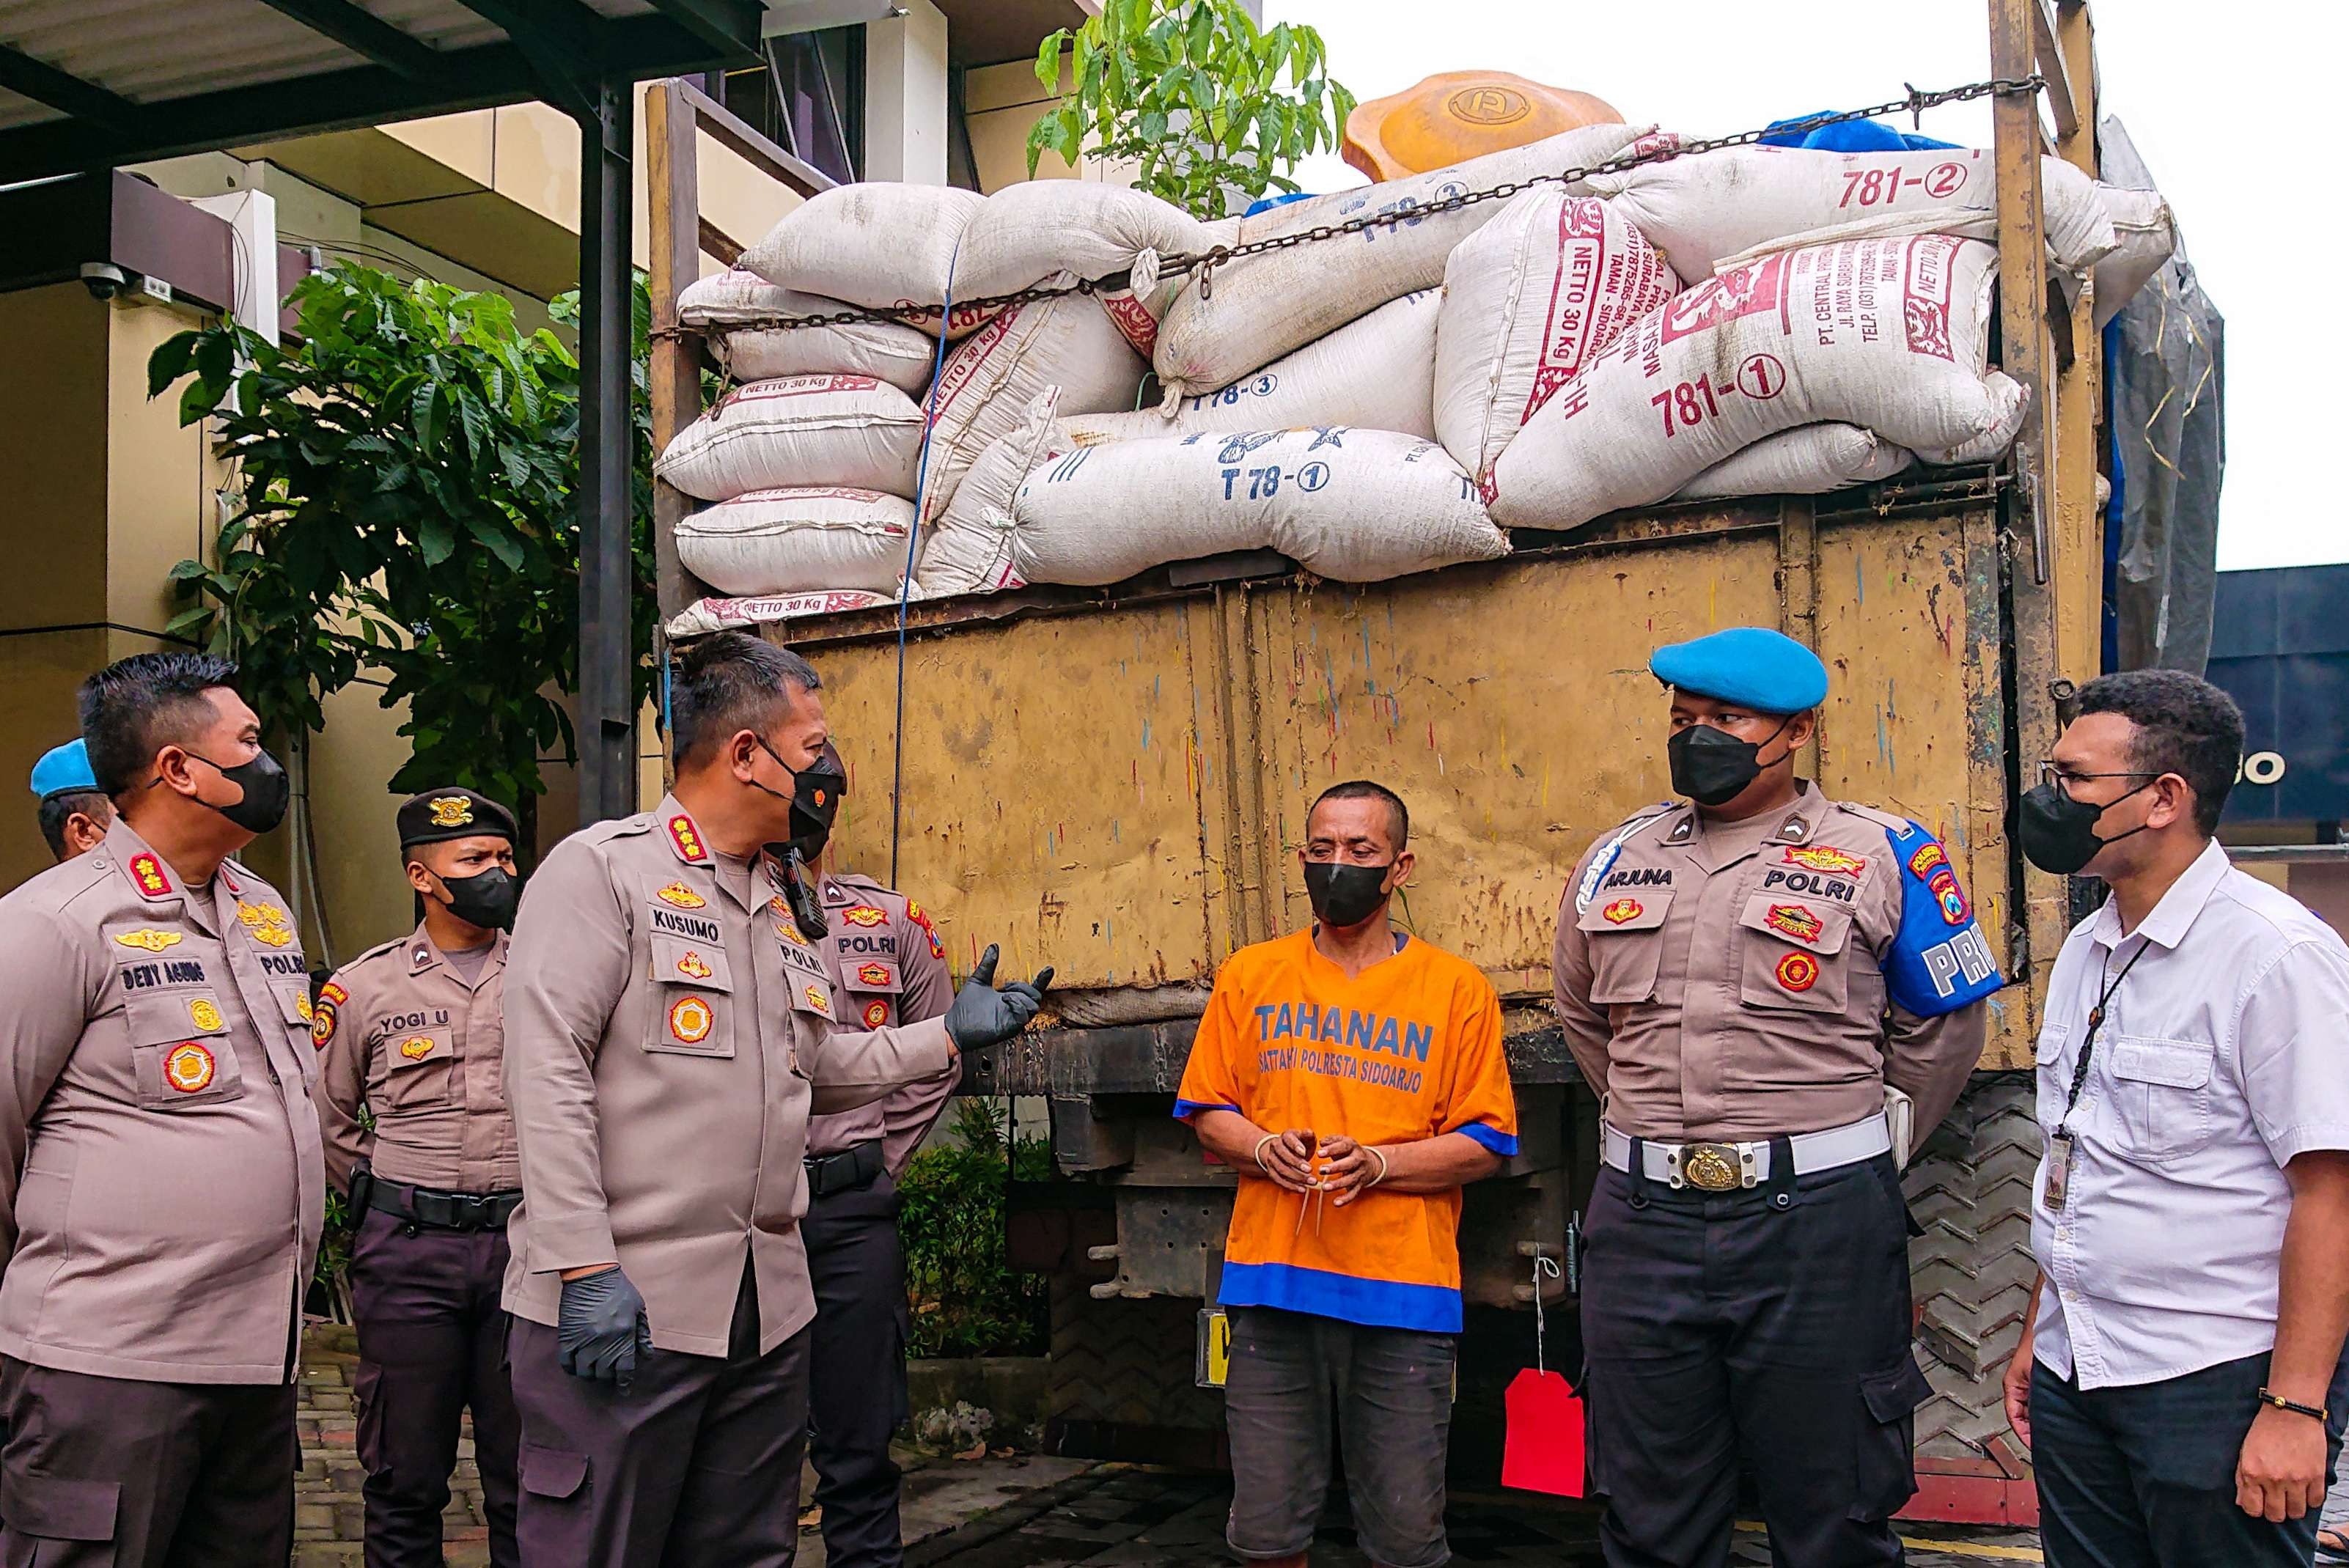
(1544, 1449)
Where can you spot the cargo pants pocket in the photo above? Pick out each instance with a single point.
(1886, 1458)
(55, 1520)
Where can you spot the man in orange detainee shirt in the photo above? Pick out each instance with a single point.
(1352, 1075)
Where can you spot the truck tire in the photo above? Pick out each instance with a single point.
(1126, 1363)
(1971, 1270)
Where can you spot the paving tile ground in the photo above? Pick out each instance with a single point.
(1027, 1512)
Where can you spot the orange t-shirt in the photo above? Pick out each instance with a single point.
(1409, 1050)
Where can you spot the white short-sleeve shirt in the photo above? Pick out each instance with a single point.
(2224, 1053)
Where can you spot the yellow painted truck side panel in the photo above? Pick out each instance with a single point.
(1118, 790)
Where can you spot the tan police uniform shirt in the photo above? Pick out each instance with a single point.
(886, 960)
(1723, 980)
(400, 1028)
(668, 1037)
(160, 1180)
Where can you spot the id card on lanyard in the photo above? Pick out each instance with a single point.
(2059, 1144)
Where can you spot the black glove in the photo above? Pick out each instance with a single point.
(982, 1015)
(602, 1329)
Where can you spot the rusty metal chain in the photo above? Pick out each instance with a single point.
(1914, 104)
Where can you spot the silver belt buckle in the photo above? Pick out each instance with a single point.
(1712, 1167)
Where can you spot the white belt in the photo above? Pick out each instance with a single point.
(1728, 1167)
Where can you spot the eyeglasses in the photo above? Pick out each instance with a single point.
(2063, 779)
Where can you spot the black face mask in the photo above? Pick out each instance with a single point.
(815, 804)
(1345, 895)
(1711, 765)
(267, 792)
(2058, 833)
(486, 899)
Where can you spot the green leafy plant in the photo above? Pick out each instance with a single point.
(964, 1297)
(407, 469)
(1192, 91)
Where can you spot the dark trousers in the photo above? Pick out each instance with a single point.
(1391, 1391)
(432, 1343)
(2143, 1477)
(697, 1465)
(856, 1387)
(1767, 1328)
(106, 1472)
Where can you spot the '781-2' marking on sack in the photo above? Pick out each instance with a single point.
(1690, 403)
(1883, 187)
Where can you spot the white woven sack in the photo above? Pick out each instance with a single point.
(800, 431)
(1706, 211)
(726, 305)
(2145, 235)
(1809, 459)
(877, 242)
(1358, 506)
(1028, 232)
(988, 382)
(1529, 300)
(968, 550)
(1375, 374)
(1138, 307)
(1888, 333)
(1266, 305)
(796, 539)
(704, 616)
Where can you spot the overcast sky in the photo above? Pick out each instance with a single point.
(2231, 106)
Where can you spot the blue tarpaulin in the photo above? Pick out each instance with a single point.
(1851, 136)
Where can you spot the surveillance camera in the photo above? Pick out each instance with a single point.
(103, 279)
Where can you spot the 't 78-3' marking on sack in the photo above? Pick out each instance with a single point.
(1266, 481)
(1761, 378)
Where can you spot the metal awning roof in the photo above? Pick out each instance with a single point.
(92, 83)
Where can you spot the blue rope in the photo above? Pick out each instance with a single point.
(912, 540)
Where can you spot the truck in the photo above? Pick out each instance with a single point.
(1113, 781)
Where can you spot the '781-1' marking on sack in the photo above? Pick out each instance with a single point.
(1690, 403)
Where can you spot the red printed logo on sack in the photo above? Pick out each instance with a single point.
(1750, 290)
(1798, 972)
(1925, 308)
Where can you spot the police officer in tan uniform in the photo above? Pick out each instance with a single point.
(413, 1033)
(665, 1042)
(75, 812)
(161, 1178)
(1742, 977)
(884, 957)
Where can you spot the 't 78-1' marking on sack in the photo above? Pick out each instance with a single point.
(1266, 481)
(1690, 403)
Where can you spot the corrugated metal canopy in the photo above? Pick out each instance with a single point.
(90, 83)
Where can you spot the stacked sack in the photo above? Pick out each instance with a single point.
(1753, 320)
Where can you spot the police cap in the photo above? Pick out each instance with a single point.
(1750, 665)
(64, 769)
(441, 814)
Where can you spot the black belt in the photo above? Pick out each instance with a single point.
(846, 1171)
(443, 1211)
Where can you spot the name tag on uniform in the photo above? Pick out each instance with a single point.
(2059, 1170)
(800, 958)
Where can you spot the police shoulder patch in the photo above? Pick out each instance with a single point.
(147, 871)
(1938, 960)
(687, 838)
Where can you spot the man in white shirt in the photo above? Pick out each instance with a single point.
(2182, 1388)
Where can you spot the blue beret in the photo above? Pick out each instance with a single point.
(1761, 669)
(62, 768)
